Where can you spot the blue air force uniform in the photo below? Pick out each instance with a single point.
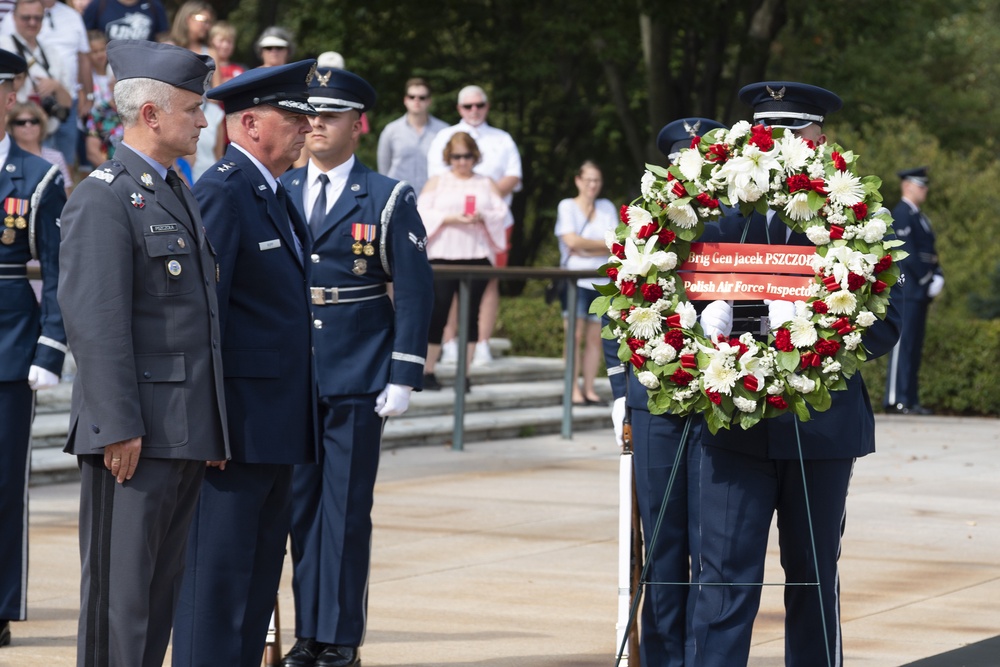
(31, 334)
(370, 236)
(747, 475)
(237, 542)
(922, 271)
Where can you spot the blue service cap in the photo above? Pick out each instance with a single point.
(789, 104)
(336, 90)
(678, 134)
(284, 87)
(919, 175)
(11, 65)
(142, 59)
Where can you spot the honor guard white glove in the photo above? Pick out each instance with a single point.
(618, 419)
(779, 312)
(393, 400)
(937, 284)
(717, 318)
(39, 378)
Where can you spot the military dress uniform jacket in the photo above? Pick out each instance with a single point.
(920, 267)
(847, 429)
(137, 290)
(264, 313)
(30, 333)
(361, 346)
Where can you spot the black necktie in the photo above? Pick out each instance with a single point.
(174, 181)
(283, 200)
(319, 208)
(48, 15)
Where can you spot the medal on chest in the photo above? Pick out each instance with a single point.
(16, 210)
(362, 232)
(7, 237)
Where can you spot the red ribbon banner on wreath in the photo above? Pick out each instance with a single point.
(746, 271)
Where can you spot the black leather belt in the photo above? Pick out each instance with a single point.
(12, 271)
(330, 296)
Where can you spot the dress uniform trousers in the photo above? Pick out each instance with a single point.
(904, 360)
(16, 408)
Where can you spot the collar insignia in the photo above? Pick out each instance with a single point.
(147, 180)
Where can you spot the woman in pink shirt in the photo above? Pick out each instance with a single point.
(465, 218)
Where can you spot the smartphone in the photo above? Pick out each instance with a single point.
(470, 205)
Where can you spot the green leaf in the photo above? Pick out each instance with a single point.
(600, 305)
(789, 361)
(800, 408)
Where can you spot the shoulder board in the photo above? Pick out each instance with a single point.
(107, 172)
(226, 167)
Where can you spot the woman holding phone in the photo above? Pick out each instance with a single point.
(465, 218)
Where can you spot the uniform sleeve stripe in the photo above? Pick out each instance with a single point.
(412, 358)
(51, 342)
(615, 370)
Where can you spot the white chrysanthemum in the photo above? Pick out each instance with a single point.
(749, 174)
(831, 365)
(682, 215)
(663, 354)
(646, 184)
(638, 217)
(798, 208)
(801, 383)
(645, 323)
(647, 380)
(738, 131)
(845, 188)
(866, 318)
(852, 340)
(664, 261)
(744, 404)
(842, 302)
(803, 333)
(795, 153)
(720, 376)
(688, 314)
(690, 163)
(873, 231)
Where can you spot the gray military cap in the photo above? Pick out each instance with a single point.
(142, 59)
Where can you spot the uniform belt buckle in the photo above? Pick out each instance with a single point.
(319, 295)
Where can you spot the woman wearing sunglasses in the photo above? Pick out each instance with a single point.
(27, 121)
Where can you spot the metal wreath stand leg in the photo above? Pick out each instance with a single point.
(626, 631)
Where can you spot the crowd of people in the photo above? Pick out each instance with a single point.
(229, 251)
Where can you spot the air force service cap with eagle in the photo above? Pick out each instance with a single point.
(789, 104)
(337, 90)
(11, 65)
(284, 87)
(142, 59)
(677, 135)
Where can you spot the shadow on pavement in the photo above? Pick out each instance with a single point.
(981, 654)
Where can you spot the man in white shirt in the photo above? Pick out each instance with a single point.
(502, 163)
(65, 39)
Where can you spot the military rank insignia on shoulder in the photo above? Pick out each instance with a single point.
(225, 166)
(102, 175)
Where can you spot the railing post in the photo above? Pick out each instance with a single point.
(572, 294)
(461, 370)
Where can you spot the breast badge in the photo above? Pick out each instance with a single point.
(173, 267)
(360, 267)
(7, 237)
(138, 200)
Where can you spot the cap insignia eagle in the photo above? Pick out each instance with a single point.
(776, 95)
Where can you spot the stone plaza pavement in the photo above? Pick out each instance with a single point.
(504, 555)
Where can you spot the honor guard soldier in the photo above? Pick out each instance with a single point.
(238, 536)
(924, 281)
(32, 340)
(369, 355)
(655, 439)
(748, 475)
(137, 291)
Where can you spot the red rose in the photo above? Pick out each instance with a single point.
(646, 230)
(855, 281)
(879, 286)
(666, 237)
(778, 402)
(681, 377)
(820, 307)
(635, 344)
(628, 287)
(883, 264)
(713, 396)
(838, 161)
(695, 141)
(860, 210)
(717, 153)
(623, 213)
(783, 340)
(612, 273)
(651, 292)
(797, 182)
(827, 348)
(637, 360)
(674, 338)
(618, 250)
(705, 200)
(679, 189)
(750, 382)
(761, 137)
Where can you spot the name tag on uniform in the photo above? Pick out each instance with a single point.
(270, 245)
(163, 229)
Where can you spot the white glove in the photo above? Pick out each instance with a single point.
(618, 419)
(393, 400)
(717, 318)
(39, 378)
(779, 312)
(937, 284)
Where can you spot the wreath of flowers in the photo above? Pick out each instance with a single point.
(815, 190)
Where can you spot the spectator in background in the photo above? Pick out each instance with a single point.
(192, 24)
(127, 19)
(104, 132)
(65, 39)
(581, 225)
(502, 163)
(465, 217)
(6, 7)
(275, 46)
(26, 120)
(403, 144)
(212, 142)
(103, 82)
(221, 40)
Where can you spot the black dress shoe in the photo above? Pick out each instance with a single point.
(900, 409)
(4, 633)
(431, 382)
(303, 654)
(339, 656)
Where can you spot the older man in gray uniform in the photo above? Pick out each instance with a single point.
(137, 291)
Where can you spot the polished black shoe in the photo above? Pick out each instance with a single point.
(303, 654)
(900, 409)
(4, 633)
(431, 382)
(338, 656)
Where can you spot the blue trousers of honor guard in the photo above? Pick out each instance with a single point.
(15, 443)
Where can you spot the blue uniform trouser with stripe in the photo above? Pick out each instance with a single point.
(16, 407)
(904, 360)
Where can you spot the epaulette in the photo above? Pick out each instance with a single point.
(226, 167)
(108, 172)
